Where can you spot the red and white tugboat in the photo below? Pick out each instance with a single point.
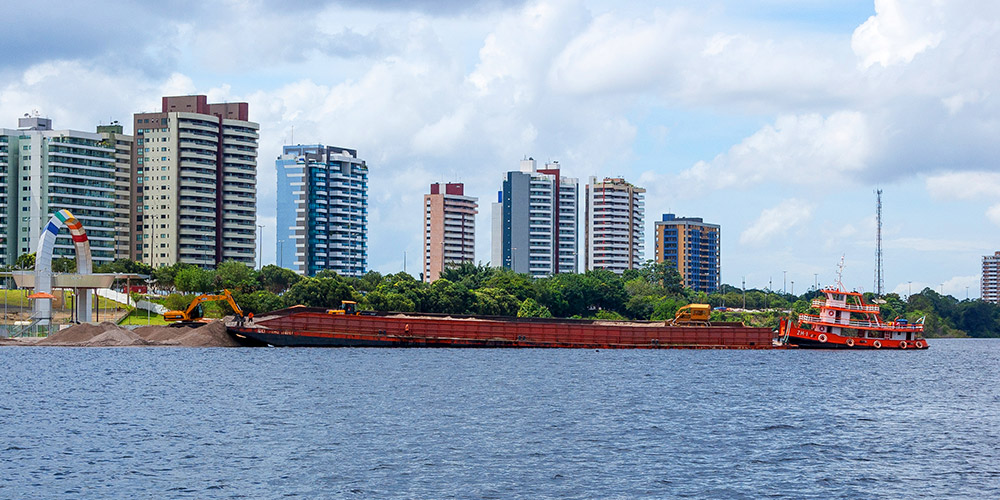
(846, 321)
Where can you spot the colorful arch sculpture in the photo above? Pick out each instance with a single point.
(43, 264)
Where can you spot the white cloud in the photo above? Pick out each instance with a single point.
(993, 214)
(806, 149)
(893, 35)
(776, 221)
(921, 244)
(964, 185)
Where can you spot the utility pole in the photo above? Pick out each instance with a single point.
(879, 282)
(744, 293)
(784, 282)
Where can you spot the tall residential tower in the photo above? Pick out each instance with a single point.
(43, 171)
(322, 210)
(194, 183)
(990, 284)
(535, 221)
(122, 144)
(614, 225)
(449, 229)
(693, 246)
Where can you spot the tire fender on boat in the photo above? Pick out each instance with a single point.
(877, 344)
(850, 342)
(822, 337)
(918, 344)
(902, 344)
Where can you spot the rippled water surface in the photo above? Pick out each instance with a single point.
(446, 423)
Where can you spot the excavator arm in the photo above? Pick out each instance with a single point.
(188, 315)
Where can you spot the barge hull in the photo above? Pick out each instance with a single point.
(307, 327)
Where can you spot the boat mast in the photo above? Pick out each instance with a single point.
(879, 282)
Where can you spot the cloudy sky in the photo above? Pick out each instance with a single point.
(777, 120)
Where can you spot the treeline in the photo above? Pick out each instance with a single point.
(653, 292)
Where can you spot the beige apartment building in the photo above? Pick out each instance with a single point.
(122, 143)
(614, 226)
(449, 229)
(990, 284)
(194, 173)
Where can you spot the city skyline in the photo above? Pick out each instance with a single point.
(776, 121)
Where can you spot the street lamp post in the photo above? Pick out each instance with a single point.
(784, 282)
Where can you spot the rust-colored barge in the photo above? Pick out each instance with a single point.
(314, 327)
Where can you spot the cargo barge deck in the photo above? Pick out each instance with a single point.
(315, 327)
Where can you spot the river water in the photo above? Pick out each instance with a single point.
(498, 424)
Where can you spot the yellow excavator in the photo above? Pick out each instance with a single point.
(192, 316)
(692, 315)
(347, 308)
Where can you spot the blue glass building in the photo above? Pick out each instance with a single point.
(322, 210)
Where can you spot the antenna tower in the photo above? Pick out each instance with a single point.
(879, 282)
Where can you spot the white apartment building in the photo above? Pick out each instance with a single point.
(536, 221)
(614, 225)
(43, 171)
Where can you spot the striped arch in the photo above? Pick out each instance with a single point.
(43, 264)
(43, 257)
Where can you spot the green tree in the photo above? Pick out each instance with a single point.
(319, 292)
(258, 302)
(195, 279)
(236, 276)
(532, 309)
(25, 261)
(63, 265)
(277, 279)
(124, 266)
(387, 300)
(495, 302)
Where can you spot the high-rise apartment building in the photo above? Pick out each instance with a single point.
(614, 225)
(449, 229)
(535, 221)
(990, 284)
(122, 144)
(194, 183)
(322, 210)
(43, 171)
(693, 246)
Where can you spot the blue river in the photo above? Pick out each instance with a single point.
(498, 424)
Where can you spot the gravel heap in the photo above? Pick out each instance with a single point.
(111, 335)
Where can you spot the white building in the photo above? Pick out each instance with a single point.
(43, 171)
(536, 221)
(614, 225)
(194, 171)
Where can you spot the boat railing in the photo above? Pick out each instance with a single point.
(819, 303)
(809, 318)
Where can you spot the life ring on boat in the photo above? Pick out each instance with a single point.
(877, 344)
(850, 342)
(406, 328)
(821, 328)
(902, 344)
(822, 337)
(918, 344)
(829, 313)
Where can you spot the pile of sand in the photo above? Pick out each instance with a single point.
(111, 335)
